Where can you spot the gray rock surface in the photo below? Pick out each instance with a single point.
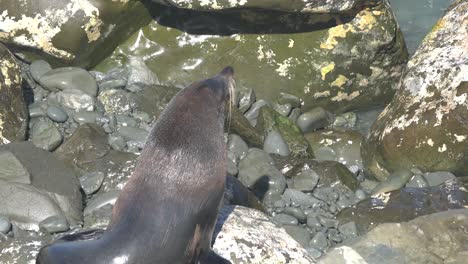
(46, 135)
(69, 78)
(12, 170)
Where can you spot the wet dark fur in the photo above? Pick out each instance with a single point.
(167, 211)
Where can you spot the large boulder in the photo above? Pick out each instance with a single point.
(13, 112)
(306, 6)
(76, 32)
(244, 235)
(425, 124)
(435, 238)
(51, 188)
(354, 63)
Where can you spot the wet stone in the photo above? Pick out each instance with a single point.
(334, 236)
(237, 145)
(283, 109)
(275, 144)
(46, 135)
(314, 223)
(12, 170)
(437, 178)
(328, 222)
(319, 241)
(83, 117)
(231, 165)
(254, 111)
(117, 142)
(133, 134)
(345, 121)
(315, 253)
(54, 224)
(418, 181)
(290, 99)
(91, 182)
(76, 100)
(126, 121)
(57, 114)
(38, 68)
(306, 180)
(343, 203)
(37, 110)
(69, 78)
(112, 84)
(5, 225)
(142, 116)
(299, 198)
(296, 213)
(360, 194)
(294, 115)
(314, 119)
(349, 230)
(284, 219)
(100, 201)
(246, 99)
(300, 234)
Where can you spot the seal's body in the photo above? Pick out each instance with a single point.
(167, 211)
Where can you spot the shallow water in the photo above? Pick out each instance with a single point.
(416, 18)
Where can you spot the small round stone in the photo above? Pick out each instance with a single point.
(319, 241)
(297, 213)
(254, 111)
(126, 121)
(314, 223)
(83, 117)
(57, 114)
(5, 225)
(360, 194)
(299, 233)
(117, 142)
(46, 135)
(283, 109)
(38, 68)
(328, 222)
(314, 119)
(285, 219)
(237, 145)
(314, 253)
(54, 224)
(69, 78)
(349, 229)
(37, 110)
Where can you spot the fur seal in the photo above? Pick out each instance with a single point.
(167, 211)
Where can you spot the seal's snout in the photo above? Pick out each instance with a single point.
(227, 72)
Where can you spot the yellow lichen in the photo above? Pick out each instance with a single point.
(326, 69)
(336, 32)
(339, 81)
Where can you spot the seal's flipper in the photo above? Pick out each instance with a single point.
(213, 258)
(85, 235)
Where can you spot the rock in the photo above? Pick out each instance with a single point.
(237, 194)
(270, 120)
(13, 112)
(305, 55)
(139, 73)
(296, 213)
(237, 146)
(300, 234)
(435, 238)
(99, 218)
(257, 172)
(345, 121)
(153, 99)
(349, 230)
(54, 189)
(101, 200)
(91, 182)
(305, 179)
(12, 170)
(72, 33)
(117, 142)
(74, 99)
(406, 204)
(274, 143)
(54, 224)
(246, 98)
(254, 111)
(438, 178)
(69, 78)
(57, 114)
(5, 225)
(284, 219)
(15, 251)
(319, 241)
(241, 126)
(84, 117)
(38, 68)
(86, 145)
(290, 99)
(314, 119)
(341, 146)
(37, 109)
(394, 181)
(46, 135)
(424, 115)
(126, 121)
(299, 198)
(283, 109)
(307, 6)
(133, 134)
(276, 245)
(117, 101)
